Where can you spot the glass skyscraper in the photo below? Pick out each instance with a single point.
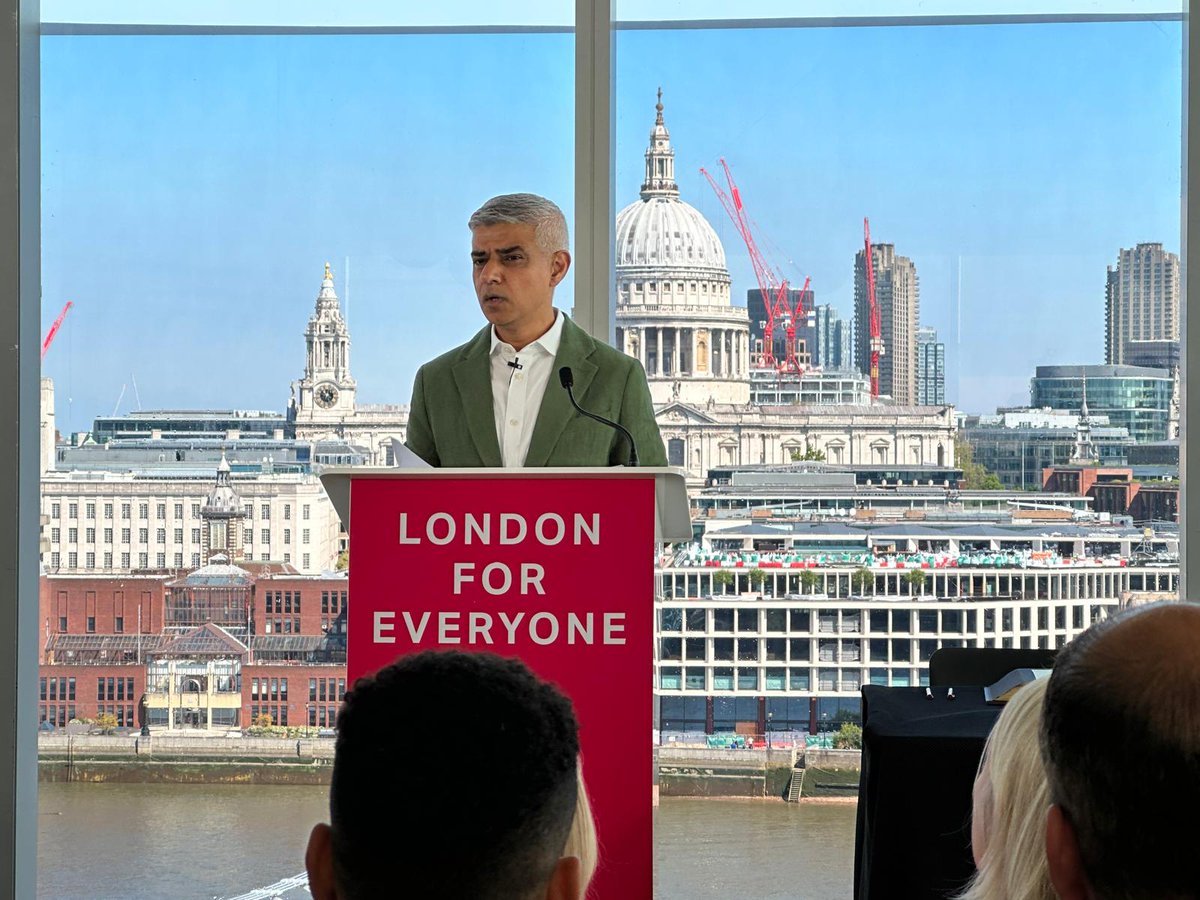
(1133, 397)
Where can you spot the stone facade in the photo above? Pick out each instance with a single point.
(702, 437)
(123, 522)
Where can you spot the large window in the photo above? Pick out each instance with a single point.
(261, 228)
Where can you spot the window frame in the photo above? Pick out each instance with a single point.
(20, 273)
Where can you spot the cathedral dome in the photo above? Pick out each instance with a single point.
(667, 254)
(663, 232)
(674, 311)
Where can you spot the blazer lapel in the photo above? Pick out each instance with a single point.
(556, 410)
(473, 377)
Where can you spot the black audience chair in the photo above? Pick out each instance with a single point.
(983, 665)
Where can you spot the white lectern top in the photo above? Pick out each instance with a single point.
(672, 516)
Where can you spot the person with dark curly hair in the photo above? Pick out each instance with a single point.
(455, 776)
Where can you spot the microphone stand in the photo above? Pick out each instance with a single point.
(567, 378)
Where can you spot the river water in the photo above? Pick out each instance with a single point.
(197, 842)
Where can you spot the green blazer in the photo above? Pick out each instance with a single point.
(451, 422)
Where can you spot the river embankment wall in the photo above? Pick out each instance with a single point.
(184, 760)
(712, 772)
(682, 771)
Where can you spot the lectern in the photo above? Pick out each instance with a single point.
(555, 566)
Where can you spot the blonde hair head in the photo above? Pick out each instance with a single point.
(581, 839)
(1013, 824)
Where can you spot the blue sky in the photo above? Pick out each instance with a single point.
(194, 186)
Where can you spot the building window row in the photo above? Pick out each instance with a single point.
(275, 689)
(114, 688)
(322, 716)
(56, 714)
(283, 601)
(878, 621)
(56, 688)
(784, 679)
(326, 689)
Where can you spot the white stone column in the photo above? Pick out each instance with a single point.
(658, 361)
(675, 354)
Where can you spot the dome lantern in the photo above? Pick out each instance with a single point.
(660, 160)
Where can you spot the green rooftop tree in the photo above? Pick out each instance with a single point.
(916, 581)
(723, 578)
(756, 578)
(976, 477)
(861, 579)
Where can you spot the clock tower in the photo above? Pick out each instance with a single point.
(325, 395)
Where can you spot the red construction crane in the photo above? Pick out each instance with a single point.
(876, 337)
(774, 288)
(54, 328)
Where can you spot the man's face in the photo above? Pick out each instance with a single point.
(515, 278)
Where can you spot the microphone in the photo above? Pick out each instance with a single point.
(567, 379)
(514, 364)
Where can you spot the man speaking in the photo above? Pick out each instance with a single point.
(500, 399)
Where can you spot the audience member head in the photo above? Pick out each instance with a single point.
(581, 842)
(1121, 743)
(455, 775)
(1008, 822)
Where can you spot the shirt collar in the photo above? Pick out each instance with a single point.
(548, 342)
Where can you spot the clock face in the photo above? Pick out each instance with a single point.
(326, 396)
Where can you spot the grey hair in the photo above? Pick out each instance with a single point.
(548, 221)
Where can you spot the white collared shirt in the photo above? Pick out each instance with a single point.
(517, 393)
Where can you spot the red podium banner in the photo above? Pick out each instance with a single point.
(556, 571)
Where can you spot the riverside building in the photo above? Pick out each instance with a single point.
(222, 647)
(775, 625)
(109, 522)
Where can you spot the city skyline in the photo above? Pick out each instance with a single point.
(217, 205)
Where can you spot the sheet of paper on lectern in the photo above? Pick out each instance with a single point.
(1004, 689)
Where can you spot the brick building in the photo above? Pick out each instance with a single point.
(1114, 490)
(216, 648)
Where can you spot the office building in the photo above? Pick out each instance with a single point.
(1016, 445)
(1132, 397)
(931, 368)
(830, 342)
(1141, 302)
(803, 335)
(897, 296)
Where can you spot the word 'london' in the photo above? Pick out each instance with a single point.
(549, 529)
